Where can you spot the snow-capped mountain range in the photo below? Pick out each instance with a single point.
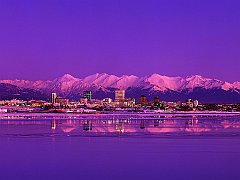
(103, 80)
(104, 84)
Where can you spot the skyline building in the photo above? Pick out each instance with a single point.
(62, 101)
(156, 100)
(143, 100)
(107, 100)
(119, 95)
(195, 103)
(87, 95)
(53, 98)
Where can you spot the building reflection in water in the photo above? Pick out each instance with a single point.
(119, 126)
(185, 125)
(193, 121)
(87, 126)
(156, 123)
(53, 124)
(142, 124)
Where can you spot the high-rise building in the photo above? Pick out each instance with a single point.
(179, 103)
(189, 102)
(87, 95)
(83, 101)
(107, 101)
(143, 100)
(62, 101)
(119, 95)
(156, 101)
(53, 98)
(195, 103)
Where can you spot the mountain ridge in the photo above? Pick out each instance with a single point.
(103, 85)
(125, 81)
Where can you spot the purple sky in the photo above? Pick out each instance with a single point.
(43, 39)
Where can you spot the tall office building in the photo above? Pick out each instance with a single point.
(143, 100)
(119, 95)
(87, 95)
(189, 102)
(156, 100)
(62, 101)
(53, 98)
(195, 103)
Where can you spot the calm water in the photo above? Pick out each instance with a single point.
(120, 148)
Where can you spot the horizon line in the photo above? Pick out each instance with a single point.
(120, 76)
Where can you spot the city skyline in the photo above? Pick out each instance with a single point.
(119, 89)
(45, 40)
(103, 86)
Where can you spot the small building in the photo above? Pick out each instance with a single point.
(87, 95)
(62, 101)
(143, 100)
(119, 95)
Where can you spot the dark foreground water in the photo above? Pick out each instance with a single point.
(199, 148)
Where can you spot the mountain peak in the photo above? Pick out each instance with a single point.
(66, 77)
(128, 76)
(195, 76)
(155, 75)
(100, 74)
(155, 82)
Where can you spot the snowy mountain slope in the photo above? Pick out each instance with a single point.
(103, 85)
(38, 85)
(68, 84)
(236, 85)
(162, 83)
(158, 82)
(102, 79)
(8, 92)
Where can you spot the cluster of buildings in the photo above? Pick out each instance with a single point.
(120, 102)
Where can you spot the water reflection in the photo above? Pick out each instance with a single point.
(54, 124)
(87, 126)
(128, 126)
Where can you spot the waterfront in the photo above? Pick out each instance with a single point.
(120, 147)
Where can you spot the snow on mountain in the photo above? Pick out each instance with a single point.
(66, 78)
(236, 85)
(199, 81)
(227, 86)
(112, 81)
(102, 81)
(37, 85)
(125, 82)
(69, 86)
(162, 83)
(64, 83)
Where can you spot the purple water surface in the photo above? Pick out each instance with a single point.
(174, 149)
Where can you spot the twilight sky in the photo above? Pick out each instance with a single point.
(44, 39)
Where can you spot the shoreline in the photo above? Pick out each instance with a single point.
(112, 115)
